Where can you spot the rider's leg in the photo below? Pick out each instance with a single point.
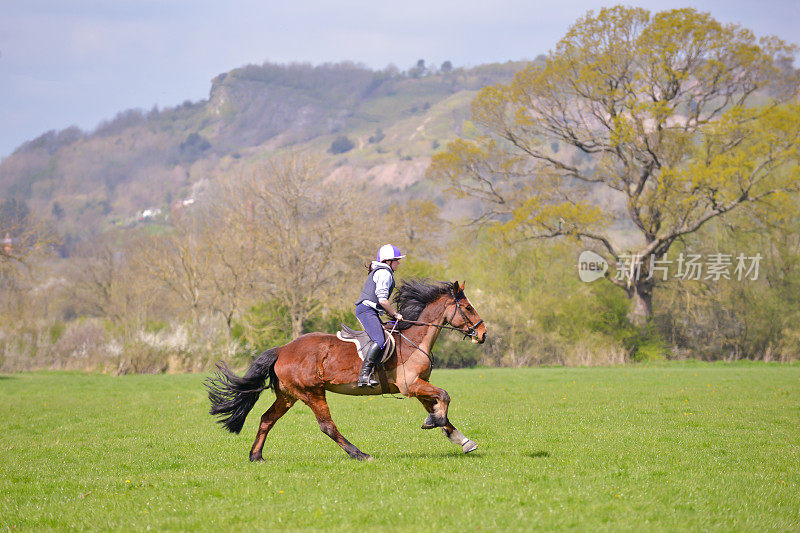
(372, 325)
(365, 377)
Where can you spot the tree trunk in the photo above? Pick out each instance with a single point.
(641, 296)
(297, 324)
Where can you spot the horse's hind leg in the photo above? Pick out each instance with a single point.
(316, 401)
(282, 403)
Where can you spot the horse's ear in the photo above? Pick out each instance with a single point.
(456, 288)
(464, 285)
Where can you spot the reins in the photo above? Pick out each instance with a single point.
(418, 347)
(397, 348)
(414, 344)
(444, 326)
(471, 331)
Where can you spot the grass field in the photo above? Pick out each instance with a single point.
(673, 447)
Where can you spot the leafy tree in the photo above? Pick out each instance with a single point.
(738, 316)
(193, 147)
(446, 67)
(418, 70)
(540, 312)
(656, 114)
(341, 145)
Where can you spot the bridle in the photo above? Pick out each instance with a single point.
(472, 329)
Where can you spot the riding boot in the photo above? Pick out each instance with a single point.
(365, 378)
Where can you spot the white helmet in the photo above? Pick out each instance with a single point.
(389, 251)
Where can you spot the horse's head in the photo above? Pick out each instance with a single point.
(460, 314)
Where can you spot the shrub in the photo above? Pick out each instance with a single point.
(56, 331)
(451, 351)
(377, 137)
(341, 145)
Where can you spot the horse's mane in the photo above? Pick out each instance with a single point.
(415, 294)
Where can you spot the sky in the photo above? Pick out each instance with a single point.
(79, 62)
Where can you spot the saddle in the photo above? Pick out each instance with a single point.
(362, 341)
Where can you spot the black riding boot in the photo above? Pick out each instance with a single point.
(365, 378)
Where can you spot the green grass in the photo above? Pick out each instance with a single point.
(643, 447)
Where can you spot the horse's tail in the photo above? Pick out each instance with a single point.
(232, 397)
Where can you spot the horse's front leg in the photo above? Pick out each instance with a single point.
(456, 437)
(433, 399)
(436, 401)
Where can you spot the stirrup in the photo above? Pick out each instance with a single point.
(368, 381)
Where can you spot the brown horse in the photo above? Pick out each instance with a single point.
(317, 362)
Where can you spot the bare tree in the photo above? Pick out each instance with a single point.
(303, 235)
(181, 261)
(233, 281)
(24, 243)
(107, 281)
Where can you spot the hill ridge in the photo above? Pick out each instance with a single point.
(88, 180)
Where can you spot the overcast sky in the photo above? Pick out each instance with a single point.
(65, 62)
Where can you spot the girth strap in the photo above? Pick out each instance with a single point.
(382, 378)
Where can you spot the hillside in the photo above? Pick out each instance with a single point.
(148, 160)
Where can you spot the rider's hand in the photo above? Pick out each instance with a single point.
(398, 317)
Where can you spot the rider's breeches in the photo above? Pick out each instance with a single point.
(371, 323)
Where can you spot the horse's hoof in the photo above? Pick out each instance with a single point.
(257, 459)
(361, 456)
(469, 446)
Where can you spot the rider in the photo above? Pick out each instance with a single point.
(374, 298)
